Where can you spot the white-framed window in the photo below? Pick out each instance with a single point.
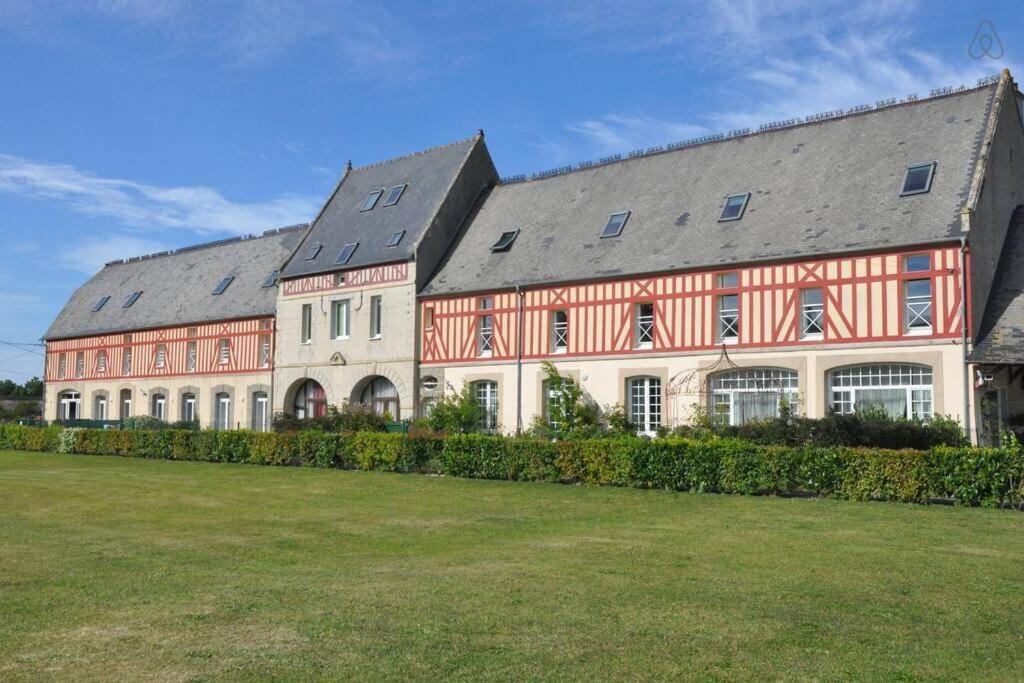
(645, 403)
(812, 314)
(307, 323)
(188, 407)
(643, 326)
(101, 360)
(80, 364)
(126, 361)
(70, 405)
(729, 318)
(340, 317)
(266, 353)
(553, 398)
(223, 351)
(559, 331)
(160, 406)
(260, 411)
(161, 355)
(222, 417)
(900, 389)
(62, 366)
(126, 403)
(485, 329)
(917, 306)
(376, 317)
(99, 408)
(190, 357)
(738, 396)
(486, 392)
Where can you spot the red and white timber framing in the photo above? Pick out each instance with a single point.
(365, 277)
(245, 340)
(863, 302)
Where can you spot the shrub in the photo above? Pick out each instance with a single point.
(457, 412)
(353, 417)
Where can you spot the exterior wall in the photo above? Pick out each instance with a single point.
(863, 303)
(246, 371)
(240, 387)
(999, 191)
(343, 366)
(684, 377)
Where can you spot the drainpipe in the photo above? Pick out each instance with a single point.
(963, 338)
(519, 360)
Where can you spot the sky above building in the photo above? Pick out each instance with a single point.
(134, 127)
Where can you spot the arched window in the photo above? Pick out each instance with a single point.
(738, 396)
(310, 400)
(159, 407)
(901, 390)
(189, 405)
(486, 393)
(644, 398)
(260, 411)
(222, 405)
(381, 396)
(70, 405)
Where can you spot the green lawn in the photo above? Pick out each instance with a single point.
(119, 568)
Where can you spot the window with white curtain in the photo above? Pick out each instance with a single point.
(901, 390)
(486, 393)
(742, 395)
(644, 394)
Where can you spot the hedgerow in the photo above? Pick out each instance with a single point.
(971, 476)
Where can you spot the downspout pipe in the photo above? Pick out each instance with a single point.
(963, 339)
(519, 360)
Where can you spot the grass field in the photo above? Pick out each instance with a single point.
(119, 568)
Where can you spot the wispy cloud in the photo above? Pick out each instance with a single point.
(622, 132)
(88, 256)
(143, 206)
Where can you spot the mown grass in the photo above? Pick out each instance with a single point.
(139, 569)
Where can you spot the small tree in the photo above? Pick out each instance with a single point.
(457, 412)
(569, 414)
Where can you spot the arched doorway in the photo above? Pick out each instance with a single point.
(70, 405)
(381, 396)
(310, 400)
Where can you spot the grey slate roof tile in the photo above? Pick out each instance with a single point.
(428, 173)
(819, 188)
(1001, 335)
(177, 287)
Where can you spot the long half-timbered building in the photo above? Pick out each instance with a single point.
(847, 261)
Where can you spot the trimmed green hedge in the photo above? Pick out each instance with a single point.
(972, 476)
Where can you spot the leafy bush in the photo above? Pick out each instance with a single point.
(457, 412)
(972, 476)
(353, 417)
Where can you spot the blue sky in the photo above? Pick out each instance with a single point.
(132, 127)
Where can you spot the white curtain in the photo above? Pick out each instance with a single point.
(893, 401)
(755, 405)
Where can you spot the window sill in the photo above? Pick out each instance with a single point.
(485, 354)
(918, 332)
(345, 338)
(813, 337)
(559, 351)
(377, 337)
(729, 340)
(644, 346)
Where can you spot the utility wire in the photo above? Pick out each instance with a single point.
(21, 347)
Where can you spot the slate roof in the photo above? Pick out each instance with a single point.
(176, 287)
(429, 175)
(1001, 335)
(817, 188)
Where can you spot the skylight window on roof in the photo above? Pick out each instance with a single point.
(395, 194)
(616, 222)
(735, 205)
(918, 179)
(313, 251)
(132, 298)
(504, 242)
(395, 239)
(100, 304)
(345, 254)
(271, 279)
(371, 200)
(222, 285)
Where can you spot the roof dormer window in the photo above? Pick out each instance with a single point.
(918, 179)
(395, 239)
(100, 304)
(504, 242)
(371, 200)
(222, 285)
(132, 298)
(395, 194)
(345, 254)
(271, 279)
(616, 222)
(313, 251)
(735, 205)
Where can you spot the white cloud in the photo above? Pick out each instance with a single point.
(144, 206)
(89, 256)
(624, 132)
